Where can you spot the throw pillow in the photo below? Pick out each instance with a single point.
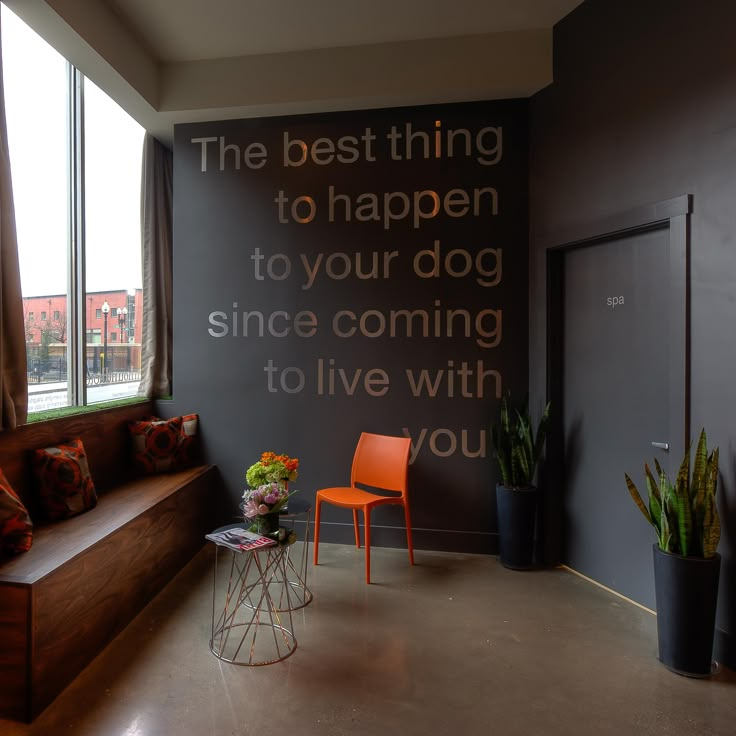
(155, 444)
(16, 529)
(185, 453)
(65, 483)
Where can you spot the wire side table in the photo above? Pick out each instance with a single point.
(250, 608)
(296, 569)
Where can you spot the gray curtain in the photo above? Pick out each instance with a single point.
(13, 378)
(157, 241)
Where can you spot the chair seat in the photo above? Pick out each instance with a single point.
(349, 497)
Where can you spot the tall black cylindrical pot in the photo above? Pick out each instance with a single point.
(517, 514)
(686, 590)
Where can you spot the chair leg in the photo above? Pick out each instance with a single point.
(357, 530)
(408, 534)
(367, 521)
(317, 509)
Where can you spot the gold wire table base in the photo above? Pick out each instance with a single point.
(257, 579)
(296, 569)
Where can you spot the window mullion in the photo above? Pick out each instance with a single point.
(76, 329)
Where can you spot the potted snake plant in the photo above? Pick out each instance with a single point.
(517, 449)
(686, 564)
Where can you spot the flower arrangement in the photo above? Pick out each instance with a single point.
(272, 468)
(268, 494)
(268, 498)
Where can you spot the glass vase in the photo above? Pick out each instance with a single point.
(268, 525)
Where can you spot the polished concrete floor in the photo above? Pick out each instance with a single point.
(456, 644)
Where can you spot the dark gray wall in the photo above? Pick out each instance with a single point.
(643, 109)
(228, 232)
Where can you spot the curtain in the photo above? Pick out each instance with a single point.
(13, 376)
(157, 244)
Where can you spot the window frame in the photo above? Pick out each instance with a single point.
(76, 318)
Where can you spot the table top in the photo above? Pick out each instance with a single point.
(244, 525)
(297, 506)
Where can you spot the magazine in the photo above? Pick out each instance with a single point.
(239, 539)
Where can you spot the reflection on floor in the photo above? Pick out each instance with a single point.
(456, 644)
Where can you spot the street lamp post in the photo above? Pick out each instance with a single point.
(122, 325)
(131, 312)
(105, 312)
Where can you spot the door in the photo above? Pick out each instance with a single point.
(617, 399)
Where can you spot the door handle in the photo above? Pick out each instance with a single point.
(661, 445)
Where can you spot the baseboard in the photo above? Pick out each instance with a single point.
(724, 644)
(441, 540)
(609, 590)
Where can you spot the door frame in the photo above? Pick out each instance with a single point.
(672, 215)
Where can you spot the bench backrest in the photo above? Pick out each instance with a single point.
(104, 434)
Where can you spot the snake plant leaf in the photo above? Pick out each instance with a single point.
(700, 466)
(638, 500)
(683, 507)
(711, 520)
(525, 435)
(698, 491)
(684, 513)
(670, 527)
(666, 539)
(515, 467)
(520, 466)
(711, 527)
(515, 447)
(655, 498)
(505, 472)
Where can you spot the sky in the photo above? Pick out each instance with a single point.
(36, 112)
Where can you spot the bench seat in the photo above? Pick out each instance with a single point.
(59, 543)
(85, 578)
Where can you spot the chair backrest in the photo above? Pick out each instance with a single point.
(381, 461)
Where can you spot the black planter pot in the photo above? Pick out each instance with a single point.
(517, 515)
(686, 591)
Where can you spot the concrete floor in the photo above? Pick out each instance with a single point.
(455, 644)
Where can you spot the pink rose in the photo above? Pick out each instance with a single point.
(250, 509)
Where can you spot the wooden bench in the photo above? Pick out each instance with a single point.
(86, 577)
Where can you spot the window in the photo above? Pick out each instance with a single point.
(113, 337)
(56, 120)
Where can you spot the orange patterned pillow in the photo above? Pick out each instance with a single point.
(155, 444)
(16, 528)
(186, 452)
(65, 483)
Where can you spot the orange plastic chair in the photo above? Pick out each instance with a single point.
(380, 462)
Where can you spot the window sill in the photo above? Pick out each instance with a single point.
(65, 411)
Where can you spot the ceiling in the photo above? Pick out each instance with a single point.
(192, 30)
(169, 61)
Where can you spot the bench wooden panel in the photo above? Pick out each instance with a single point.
(85, 578)
(14, 637)
(79, 608)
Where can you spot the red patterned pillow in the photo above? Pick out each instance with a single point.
(65, 483)
(155, 444)
(185, 453)
(16, 528)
